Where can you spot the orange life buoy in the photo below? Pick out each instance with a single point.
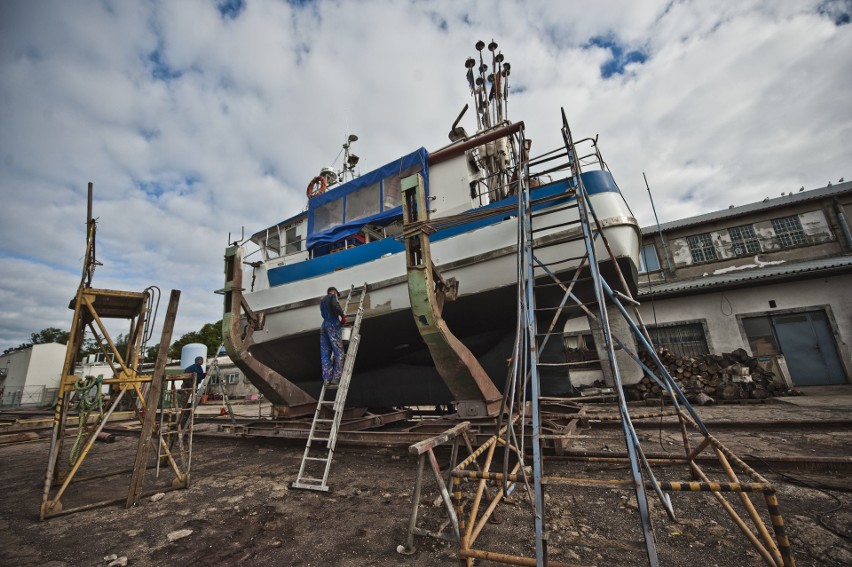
(317, 186)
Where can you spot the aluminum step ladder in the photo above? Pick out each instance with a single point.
(176, 425)
(322, 437)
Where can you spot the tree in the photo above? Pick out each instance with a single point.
(50, 335)
(45, 336)
(210, 335)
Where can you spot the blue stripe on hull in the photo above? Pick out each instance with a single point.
(595, 181)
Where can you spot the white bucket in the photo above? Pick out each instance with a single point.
(346, 333)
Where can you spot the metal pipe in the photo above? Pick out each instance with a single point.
(490, 510)
(747, 503)
(461, 147)
(408, 548)
(508, 559)
(609, 457)
(844, 225)
(780, 531)
(600, 286)
(445, 495)
(737, 520)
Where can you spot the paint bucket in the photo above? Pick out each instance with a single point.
(346, 333)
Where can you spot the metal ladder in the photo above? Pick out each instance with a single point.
(214, 368)
(324, 429)
(176, 425)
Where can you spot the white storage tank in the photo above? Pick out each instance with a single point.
(190, 351)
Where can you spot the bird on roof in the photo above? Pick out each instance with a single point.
(802, 188)
(840, 180)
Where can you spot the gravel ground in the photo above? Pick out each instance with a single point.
(240, 509)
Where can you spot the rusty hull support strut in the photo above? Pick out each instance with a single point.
(287, 398)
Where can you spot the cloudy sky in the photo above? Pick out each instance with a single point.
(196, 118)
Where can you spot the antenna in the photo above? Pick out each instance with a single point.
(659, 230)
(350, 160)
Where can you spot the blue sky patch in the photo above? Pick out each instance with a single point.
(231, 8)
(160, 70)
(149, 134)
(839, 11)
(619, 57)
(150, 188)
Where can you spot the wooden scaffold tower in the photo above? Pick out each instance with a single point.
(97, 399)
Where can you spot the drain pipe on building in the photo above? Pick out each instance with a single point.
(844, 224)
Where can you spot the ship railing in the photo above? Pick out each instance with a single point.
(591, 158)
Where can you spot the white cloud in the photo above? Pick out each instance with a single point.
(733, 102)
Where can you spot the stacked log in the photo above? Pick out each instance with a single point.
(729, 376)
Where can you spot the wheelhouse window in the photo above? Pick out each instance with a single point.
(701, 247)
(744, 240)
(294, 243)
(682, 339)
(789, 231)
(392, 194)
(233, 378)
(363, 203)
(328, 215)
(648, 260)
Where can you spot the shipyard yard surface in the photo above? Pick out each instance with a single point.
(241, 510)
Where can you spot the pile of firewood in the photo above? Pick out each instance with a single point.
(729, 376)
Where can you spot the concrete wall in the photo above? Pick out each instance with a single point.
(45, 366)
(719, 310)
(39, 365)
(32, 375)
(16, 365)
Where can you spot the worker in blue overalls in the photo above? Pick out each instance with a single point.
(331, 343)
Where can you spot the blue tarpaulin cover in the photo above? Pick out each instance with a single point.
(343, 228)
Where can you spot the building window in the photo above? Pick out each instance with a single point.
(701, 247)
(789, 231)
(744, 240)
(214, 380)
(648, 260)
(233, 378)
(684, 339)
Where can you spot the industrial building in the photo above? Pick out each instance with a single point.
(770, 277)
(30, 377)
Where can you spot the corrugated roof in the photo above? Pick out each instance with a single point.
(787, 270)
(775, 202)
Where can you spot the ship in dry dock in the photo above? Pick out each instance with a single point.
(351, 233)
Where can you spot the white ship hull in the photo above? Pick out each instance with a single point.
(393, 366)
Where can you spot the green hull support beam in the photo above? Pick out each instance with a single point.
(474, 392)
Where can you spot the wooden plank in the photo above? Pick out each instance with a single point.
(152, 401)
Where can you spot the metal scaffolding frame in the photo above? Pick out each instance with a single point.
(536, 326)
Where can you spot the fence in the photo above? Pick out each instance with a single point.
(28, 396)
